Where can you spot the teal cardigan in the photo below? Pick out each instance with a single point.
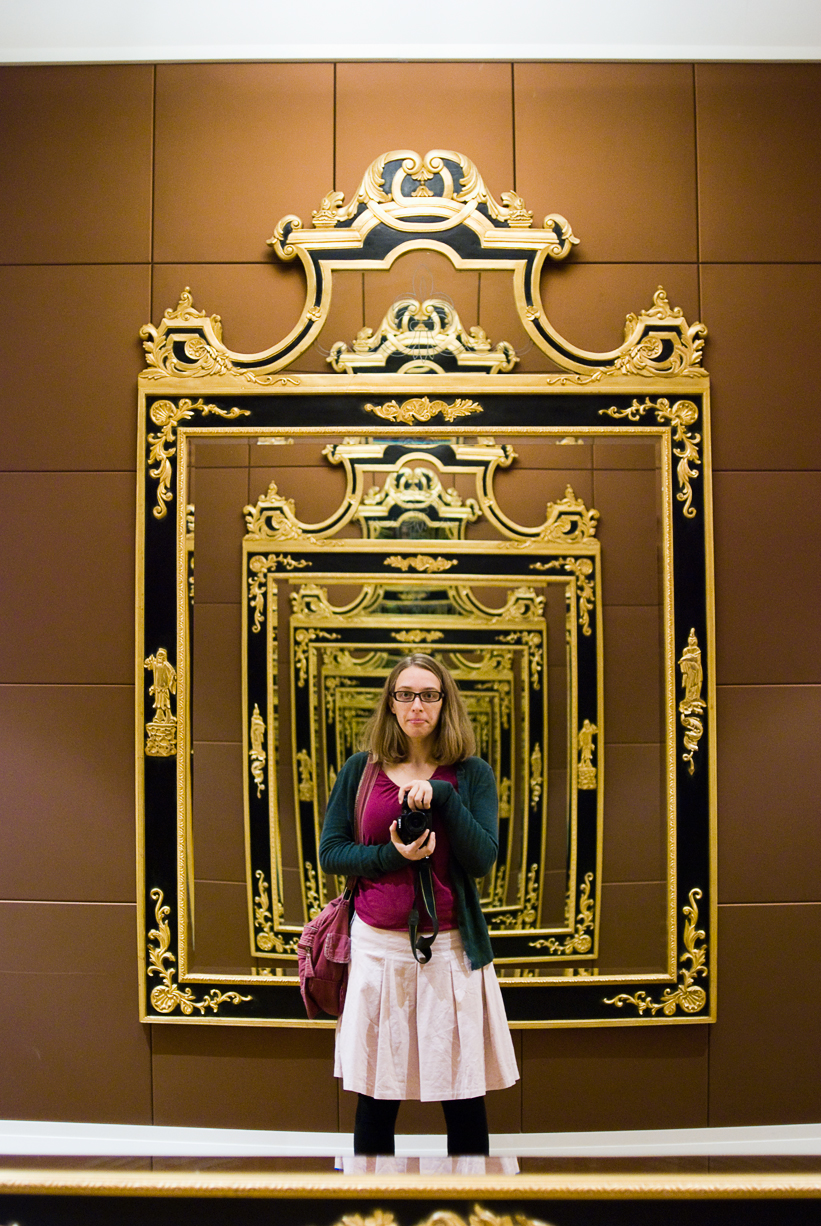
(469, 817)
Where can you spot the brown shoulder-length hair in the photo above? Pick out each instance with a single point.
(453, 738)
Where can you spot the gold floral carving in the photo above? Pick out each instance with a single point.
(692, 706)
(161, 732)
(422, 332)
(167, 996)
(536, 775)
(303, 639)
(682, 415)
(443, 1217)
(581, 941)
(567, 522)
(586, 746)
(647, 356)
(201, 338)
(260, 565)
(421, 562)
(534, 642)
(267, 939)
(257, 752)
(688, 996)
(582, 568)
(162, 446)
(421, 409)
(417, 636)
(312, 891)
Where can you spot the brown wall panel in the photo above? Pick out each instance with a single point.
(67, 598)
(764, 1047)
(70, 357)
(635, 1077)
(769, 835)
(230, 156)
(76, 152)
(768, 587)
(243, 1077)
(764, 409)
(73, 1048)
(67, 792)
(612, 148)
(467, 108)
(757, 179)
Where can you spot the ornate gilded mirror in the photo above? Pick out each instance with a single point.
(548, 535)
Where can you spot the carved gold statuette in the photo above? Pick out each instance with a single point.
(692, 706)
(161, 732)
(585, 742)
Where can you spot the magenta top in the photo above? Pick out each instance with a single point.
(385, 902)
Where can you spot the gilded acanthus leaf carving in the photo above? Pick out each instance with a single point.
(581, 941)
(688, 996)
(682, 415)
(421, 409)
(162, 446)
(167, 995)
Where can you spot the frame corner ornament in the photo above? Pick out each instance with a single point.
(688, 996)
(167, 995)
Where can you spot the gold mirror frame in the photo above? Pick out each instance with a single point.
(423, 375)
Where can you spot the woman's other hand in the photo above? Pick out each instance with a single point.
(419, 794)
(419, 849)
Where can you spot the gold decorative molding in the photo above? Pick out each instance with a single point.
(307, 788)
(257, 752)
(688, 996)
(273, 517)
(531, 639)
(567, 522)
(162, 446)
(581, 942)
(587, 772)
(443, 1217)
(200, 336)
(417, 636)
(312, 898)
(167, 996)
(582, 568)
(302, 641)
(430, 335)
(692, 705)
(260, 565)
(681, 416)
(267, 939)
(649, 355)
(536, 775)
(161, 732)
(421, 562)
(421, 409)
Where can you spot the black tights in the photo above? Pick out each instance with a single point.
(466, 1121)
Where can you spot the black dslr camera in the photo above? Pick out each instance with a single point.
(412, 823)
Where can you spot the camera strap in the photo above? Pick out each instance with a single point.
(421, 945)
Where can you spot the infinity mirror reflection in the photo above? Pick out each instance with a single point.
(535, 566)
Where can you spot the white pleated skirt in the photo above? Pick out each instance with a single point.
(431, 1033)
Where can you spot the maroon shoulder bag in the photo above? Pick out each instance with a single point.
(324, 949)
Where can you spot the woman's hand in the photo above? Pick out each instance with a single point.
(419, 849)
(419, 794)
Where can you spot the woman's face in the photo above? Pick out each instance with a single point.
(417, 719)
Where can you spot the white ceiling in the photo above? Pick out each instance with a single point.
(94, 31)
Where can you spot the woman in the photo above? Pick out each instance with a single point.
(434, 1032)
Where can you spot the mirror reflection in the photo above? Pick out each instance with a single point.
(315, 562)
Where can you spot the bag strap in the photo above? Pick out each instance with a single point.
(363, 791)
(421, 945)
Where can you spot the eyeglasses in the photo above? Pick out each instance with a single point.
(425, 695)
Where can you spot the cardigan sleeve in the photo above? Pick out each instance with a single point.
(338, 850)
(471, 820)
